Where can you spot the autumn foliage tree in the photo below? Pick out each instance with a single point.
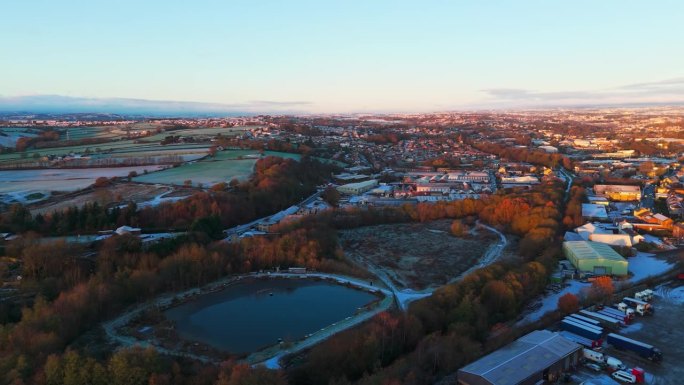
(568, 303)
(601, 289)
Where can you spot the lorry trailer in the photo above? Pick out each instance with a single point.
(581, 330)
(641, 348)
(585, 319)
(598, 328)
(604, 319)
(618, 316)
(586, 342)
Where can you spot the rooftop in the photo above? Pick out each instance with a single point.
(593, 250)
(529, 354)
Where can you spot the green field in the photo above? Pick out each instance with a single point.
(222, 168)
(78, 133)
(210, 131)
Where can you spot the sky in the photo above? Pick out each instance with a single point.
(324, 56)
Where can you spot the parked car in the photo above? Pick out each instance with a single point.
(593, 366)
(623, 376)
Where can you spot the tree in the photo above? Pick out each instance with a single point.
(568, 303)
(102, 182)
(458, 228)
(601, 289)
(132, 175)
(331, 196)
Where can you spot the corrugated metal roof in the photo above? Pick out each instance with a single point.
(593, 250)
(521, 359)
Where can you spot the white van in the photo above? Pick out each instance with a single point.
(623, 376)
(614, 363)
(593, 356)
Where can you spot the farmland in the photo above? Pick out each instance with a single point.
(20, 184)
(225, 166)
(117, 194)
(416, 255)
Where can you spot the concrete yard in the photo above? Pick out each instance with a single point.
(662, 330)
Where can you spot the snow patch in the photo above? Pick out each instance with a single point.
(632, 328)
(645, 265)
(550, 302)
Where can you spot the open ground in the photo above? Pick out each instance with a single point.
(416, 255)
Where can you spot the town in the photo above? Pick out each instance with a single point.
(590, 198)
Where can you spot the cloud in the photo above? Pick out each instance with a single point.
(668, 91)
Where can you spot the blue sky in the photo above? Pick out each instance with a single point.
(342, 56)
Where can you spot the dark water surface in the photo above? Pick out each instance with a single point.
(245, 317)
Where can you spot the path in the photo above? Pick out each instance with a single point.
(269, 357)
(490, 256)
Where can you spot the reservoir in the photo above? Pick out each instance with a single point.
(256, 313)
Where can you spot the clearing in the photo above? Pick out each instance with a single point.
(416, 255)
(118, 194)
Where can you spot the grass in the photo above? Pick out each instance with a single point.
(222, 168)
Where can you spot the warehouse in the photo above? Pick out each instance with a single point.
(539, 356)
(594, 212)
(618, 192)
(594, 257)
(357, 188)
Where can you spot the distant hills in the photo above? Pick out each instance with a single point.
(58, 104)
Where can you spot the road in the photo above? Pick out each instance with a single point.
(237, 230)
(568, 177)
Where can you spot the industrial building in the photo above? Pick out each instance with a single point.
(539, 356)
(618, 192)
(357, 188)
(591, 211)
(594, 257)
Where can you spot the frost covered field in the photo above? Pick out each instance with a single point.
(226, 165)
(21, 183)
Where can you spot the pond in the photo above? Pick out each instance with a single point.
(256, 313)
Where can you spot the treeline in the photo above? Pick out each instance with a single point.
(74, 298)
(437, 335)
(454, 326)
(537, 157)
(276, 184)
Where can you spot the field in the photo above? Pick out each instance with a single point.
(16, 186)
(78, 133)
(116, 195)
(9, 136)
(198, 132)
(225, 166)
(416, 255)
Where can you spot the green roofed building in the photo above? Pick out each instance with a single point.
(595, 257)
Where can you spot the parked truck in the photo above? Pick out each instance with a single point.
(586, 342)
(582, 330)
(639, 306)
(585, 319)
(641, 348)
(605, 320)
(644, 295)
(616, 314)
(584, 323)
(622, 308)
